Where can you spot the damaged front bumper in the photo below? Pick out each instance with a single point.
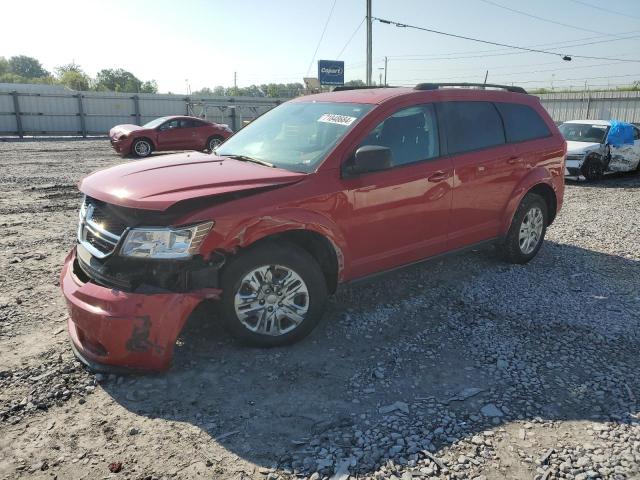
(112, 329)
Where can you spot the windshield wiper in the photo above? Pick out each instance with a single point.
(244, 158)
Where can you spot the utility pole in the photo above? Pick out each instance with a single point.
(385, 71)
(369, 48)
(235, 81)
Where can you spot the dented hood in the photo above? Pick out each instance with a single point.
(119, 130)
(158, 183)
(581, 147)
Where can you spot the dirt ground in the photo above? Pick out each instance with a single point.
(465, 367)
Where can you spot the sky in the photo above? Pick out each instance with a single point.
(201, 43)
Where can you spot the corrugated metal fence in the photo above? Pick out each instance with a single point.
(54, 110)
(623, 106)
(49, 110)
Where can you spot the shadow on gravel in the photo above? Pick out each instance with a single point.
(611, 180)
(414, 362)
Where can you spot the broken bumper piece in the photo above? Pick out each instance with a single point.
(112, 330)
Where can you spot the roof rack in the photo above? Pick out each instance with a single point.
(436, 86)
(342, 88)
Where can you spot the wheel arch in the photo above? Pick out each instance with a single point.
(540, 183)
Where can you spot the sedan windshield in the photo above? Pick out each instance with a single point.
(295, 136)
(154, 123)
(583, 132)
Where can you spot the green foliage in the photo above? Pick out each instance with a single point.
(149, 86)
(354, 83)
(69, 67)
(27, 67)
(74, 80)
(117, 80)
(4, 66)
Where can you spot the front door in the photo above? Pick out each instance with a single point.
(170, 135)
(626, 158)
(400, 215)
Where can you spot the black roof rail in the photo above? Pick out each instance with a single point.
(343, 88)
(436, 86)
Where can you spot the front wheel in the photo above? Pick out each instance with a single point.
(527, 230)
(593, 169)
(272, 295)
(141, 148)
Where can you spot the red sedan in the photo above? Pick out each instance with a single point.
(168, 133)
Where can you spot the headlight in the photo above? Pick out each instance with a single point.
(164, 242)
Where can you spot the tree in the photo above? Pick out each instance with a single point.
(117, 80)
(218, 91)
(355, 83)
(69, 67)
(149, 86)
(4, 66)
(74, 80)
(27, 67)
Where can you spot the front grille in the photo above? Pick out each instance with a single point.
(100, 227)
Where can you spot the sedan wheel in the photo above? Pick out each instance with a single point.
(142, 148)
(214, 143)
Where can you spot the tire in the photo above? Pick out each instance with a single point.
(593, 169)
(245, 308)
(213, 143)
(141, 148)
(517, 245)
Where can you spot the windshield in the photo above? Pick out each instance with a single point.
(295, 136)
(154, 123)
(583, 132)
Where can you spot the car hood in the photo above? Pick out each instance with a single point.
(119, 130)
(581, 147)
(159, 183)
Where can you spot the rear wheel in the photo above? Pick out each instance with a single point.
(527, 230)
(141, 148)
(214, 142)
(272, 295)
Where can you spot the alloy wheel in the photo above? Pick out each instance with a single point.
(271, 300)
(531, 230)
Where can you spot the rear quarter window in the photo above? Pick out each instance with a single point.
(521, 122)
(471, 126)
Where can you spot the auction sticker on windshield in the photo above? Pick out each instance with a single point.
(337, 119)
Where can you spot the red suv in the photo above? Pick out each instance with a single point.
(321, 190)
(168, 133)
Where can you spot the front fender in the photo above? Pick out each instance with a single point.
(250, 231)
(537, 176)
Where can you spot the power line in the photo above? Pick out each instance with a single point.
(542, 19)
(444, 56)
(608, 10)
(350, 38)
(321, 36)
(533, 50)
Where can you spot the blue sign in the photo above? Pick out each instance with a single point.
(331, 72)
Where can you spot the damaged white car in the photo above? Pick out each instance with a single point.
(595, 147)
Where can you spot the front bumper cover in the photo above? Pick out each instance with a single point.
(113, 330)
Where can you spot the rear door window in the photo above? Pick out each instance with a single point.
(521, 122)
(471, 126)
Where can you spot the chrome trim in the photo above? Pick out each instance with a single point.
(86, 224)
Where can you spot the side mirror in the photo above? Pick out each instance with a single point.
(368, 159)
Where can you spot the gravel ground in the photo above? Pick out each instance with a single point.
(466, 367)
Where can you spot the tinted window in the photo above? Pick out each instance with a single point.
(169, 125)
(189, 123)
(472, 126)
(410, 133)
(521, 122)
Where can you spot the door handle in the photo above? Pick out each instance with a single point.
(438, 176)
(513, 160)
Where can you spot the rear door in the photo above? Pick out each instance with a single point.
(400, 215)
(486, 170)
(626, 158)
